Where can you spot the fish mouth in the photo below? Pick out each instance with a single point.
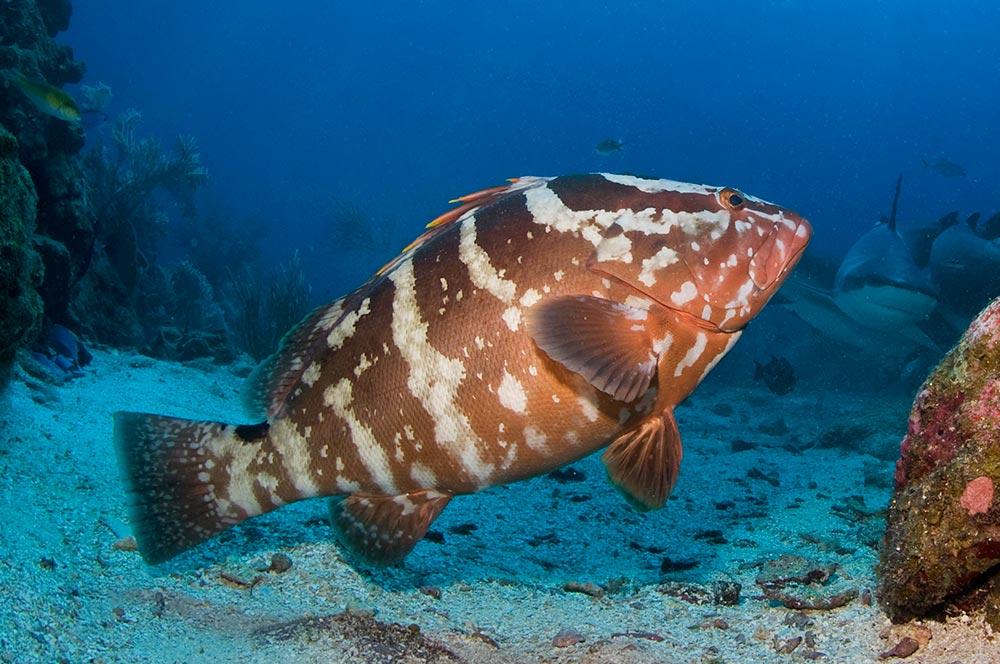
(803, 233)
(686, 315)
(885, 306)
(798, 241)
(876, 281)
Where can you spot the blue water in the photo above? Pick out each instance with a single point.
(398, 108)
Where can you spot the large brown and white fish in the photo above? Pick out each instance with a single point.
(530, 326)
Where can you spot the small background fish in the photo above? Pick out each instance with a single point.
(945, 167)
(609, 146)
(47, 98)
(778, 374)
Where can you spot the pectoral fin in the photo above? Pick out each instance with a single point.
(644, 461)
(384, 529)
(606, 342)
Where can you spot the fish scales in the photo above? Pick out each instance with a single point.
(540, 322)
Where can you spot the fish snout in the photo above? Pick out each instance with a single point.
(800, 238)
(779, 251)
(799, 232)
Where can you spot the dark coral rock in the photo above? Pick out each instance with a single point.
(848, 437)
(64, 214)
(803, 584)
(791, 569)
(55, 14)
(668, 565)
(20, 267)
(906, 647)
(170, 343)
(943, 524)
(358, 637)
(47, 147)
(100, 310)
(692, 593)
(726, 592)
(58, 273)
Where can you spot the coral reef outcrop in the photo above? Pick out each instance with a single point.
(47, 149)
(942, 539)
(118, 286)
(20, 267)
(81, 234)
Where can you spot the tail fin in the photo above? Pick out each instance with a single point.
(173, 472)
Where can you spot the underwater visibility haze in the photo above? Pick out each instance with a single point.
(241, 269)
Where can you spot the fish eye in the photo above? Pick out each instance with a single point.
(732, 199)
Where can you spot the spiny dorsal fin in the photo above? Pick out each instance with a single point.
(468, 202)
(383, 529)
(267, 388)
(895, 204)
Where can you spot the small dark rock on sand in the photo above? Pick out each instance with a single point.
(566, 638)
(280, 563)
(668, 565)
(567, 474)
(906, 647)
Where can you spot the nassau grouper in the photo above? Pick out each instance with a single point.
(526, 328)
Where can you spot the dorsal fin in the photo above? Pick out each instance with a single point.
(468, 202)
(895, 204)
(989, 229)
(269, 385)
(948, 220)
(972, 219)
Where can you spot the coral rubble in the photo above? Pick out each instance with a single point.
(943, 534)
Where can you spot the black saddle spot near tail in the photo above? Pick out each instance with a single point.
(252, 432)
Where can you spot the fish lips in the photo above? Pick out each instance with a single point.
(770, 265)
(857, 283)
(779, 252)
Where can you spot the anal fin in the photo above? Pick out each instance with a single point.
(644, 461)
(383, 529)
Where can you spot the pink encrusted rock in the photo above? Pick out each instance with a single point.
(978, 496)
(986, 325)
(942, 529)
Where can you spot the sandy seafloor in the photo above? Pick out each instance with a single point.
(67, 594)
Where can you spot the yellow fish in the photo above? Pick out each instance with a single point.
(47, 98)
